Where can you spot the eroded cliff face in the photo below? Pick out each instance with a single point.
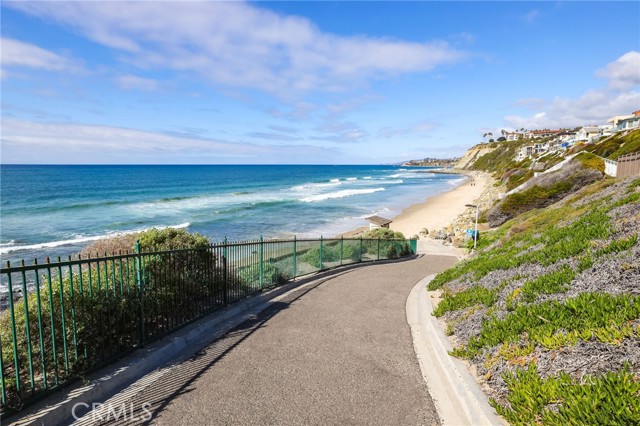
(472, 155)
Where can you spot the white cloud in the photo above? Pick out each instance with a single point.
(624, 72)
(420, 128)
(38, 142)
(593, 107)
(242, 45)
(16, 53)
(132, 82)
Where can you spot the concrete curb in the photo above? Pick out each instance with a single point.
(457, 396)
(179, 345)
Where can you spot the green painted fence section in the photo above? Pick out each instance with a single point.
(80, 314)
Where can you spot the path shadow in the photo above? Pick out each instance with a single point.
(142, 408)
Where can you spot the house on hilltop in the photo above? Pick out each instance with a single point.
(624, 123)
(525, 152)
(588, 133)
(513, 136)
(544, 133)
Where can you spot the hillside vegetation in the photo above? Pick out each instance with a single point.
(616, 145)
(548, 309)
(498, 158)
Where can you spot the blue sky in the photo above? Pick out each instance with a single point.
(303, 82)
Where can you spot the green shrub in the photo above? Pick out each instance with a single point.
(170, 239)
(329, 254)
(150, 240)
(591, 161)
(383, 234)
(271, 275)
(96, 308)
(97, 324)
(518, 178)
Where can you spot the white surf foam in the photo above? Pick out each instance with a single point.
(340, 194)
(312, 186)
(80, 240)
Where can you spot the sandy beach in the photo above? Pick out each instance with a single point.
(438, 211)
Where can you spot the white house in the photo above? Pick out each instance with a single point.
(555, 145)
(606, 130)
(630, 123)
(525, 152)
(539, 148)
(588, 133)
(513, 136)
(617, 119)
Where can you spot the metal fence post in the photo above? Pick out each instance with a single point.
(225, 282)
(341, 248)
(321, 252)
(378, 248)
(360, 249)
(16, 365)
(295, 257)
(2, 381)
(140, 292)
(25, 298)
(261, 258)
(39, 305)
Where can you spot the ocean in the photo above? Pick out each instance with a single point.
(49, 210)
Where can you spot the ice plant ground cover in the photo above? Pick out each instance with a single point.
(548, 311)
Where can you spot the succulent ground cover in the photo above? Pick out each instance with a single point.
(548, 310)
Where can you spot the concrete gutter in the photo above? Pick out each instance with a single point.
(456, 394)
(57, 409)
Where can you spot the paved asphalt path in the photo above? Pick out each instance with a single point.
(334, 352)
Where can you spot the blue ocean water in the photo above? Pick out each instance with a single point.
(56, 210)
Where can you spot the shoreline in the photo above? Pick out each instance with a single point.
(440, 211)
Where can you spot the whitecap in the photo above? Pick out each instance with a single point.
(340, 194)
(83, 239)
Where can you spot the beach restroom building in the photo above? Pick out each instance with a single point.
(378, 222)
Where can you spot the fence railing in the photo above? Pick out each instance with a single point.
(63, 319)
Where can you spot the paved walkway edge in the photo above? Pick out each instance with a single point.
(457, 396)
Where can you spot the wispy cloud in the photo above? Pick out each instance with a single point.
(39, 142)
(531, 16)
(594, 106)
(18, 54)
(352, 135)
(132, 82)
(273, 136)
(420, 128)
(242, 45)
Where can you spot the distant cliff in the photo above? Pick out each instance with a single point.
(474, 153)
(432, 162)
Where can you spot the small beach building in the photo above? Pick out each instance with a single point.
(378, 222)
